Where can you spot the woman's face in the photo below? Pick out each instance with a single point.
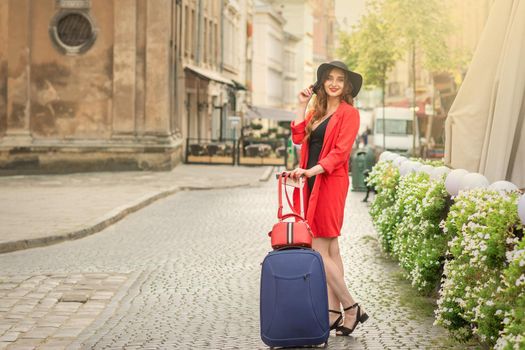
(335, 83)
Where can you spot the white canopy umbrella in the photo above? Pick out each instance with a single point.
(485, 127)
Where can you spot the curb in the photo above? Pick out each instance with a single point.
(267, 173)
(109, 219)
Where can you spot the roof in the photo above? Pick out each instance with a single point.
(209, 74)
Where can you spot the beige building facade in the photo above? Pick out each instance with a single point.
(86, 85)
(299, 22)
(324, 32)
(268, 66)
(116, 84)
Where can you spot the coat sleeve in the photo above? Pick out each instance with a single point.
(299, 129)
(343, 143)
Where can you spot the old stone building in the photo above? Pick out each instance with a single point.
(115, 84)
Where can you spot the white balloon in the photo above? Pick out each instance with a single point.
(383, 155)
(521, 208)
(416, 166)
(405, 167)
(408, 167)
(391, 156)
(437, 173)
(453, 179)
(473, 180)
(426, 168)
(504, 186)
(399, 160)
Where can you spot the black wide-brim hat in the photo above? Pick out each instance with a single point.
(355, 78)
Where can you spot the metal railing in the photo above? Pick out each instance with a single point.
(254, 151)
(209, 151)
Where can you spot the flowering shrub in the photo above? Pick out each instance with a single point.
(418, 242)
(513, 301)
(480, 222)
(384, 177)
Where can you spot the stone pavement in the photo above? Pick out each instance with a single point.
(183, 273)
(40, 210)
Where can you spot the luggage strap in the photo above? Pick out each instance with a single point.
(280, 215)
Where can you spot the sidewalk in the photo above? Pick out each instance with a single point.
(40, 210)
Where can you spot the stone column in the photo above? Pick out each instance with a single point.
(124, 60)
(18, 71)
(158, 35)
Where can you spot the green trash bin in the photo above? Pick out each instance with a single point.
(362, 159)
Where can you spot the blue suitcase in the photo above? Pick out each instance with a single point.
(294, 299)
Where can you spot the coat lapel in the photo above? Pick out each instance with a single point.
(330, 127)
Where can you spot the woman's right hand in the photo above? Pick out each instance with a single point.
(305, 95)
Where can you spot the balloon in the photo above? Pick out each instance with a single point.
(405, 167)
(416, 166)
(437, 173)
(391, 156)
(473, 180)
(521, 208)
(399, 160)
(426, 168)
(408, 167)
(504, 186)
(384, 155)
(453, 179)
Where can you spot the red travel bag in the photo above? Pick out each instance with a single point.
(296, 233)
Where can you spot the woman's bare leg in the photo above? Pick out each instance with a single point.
(335, 254)
(333, 302)
(334, 278)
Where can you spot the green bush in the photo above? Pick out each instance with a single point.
(480, 222)
(384, 177)
(476, 243)
(256, 126)
(418, 242)
(512, 301)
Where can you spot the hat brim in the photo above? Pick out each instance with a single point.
(355, 78)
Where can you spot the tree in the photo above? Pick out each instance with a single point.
(420, 26)
(370, 49)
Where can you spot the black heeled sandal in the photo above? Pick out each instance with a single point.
(361, 317)
(337, 323)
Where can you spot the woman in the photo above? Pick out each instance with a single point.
(326, 135)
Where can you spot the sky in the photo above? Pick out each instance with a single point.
(348, 12)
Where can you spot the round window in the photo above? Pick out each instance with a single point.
(72, 32)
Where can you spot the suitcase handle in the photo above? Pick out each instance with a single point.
(280, 192)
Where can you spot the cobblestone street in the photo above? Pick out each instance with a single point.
(183, 273)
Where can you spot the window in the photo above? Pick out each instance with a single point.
(216, 44)
(231, 42)
(192, 29)
(205, 46)
(394, 127)
(187, 31)
(212, 42)
(73, 31)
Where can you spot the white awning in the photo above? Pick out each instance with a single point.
(209, 74)
(485, 125)
(269, 113)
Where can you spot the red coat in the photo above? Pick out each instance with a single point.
(325, 205)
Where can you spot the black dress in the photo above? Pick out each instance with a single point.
(315, 146)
